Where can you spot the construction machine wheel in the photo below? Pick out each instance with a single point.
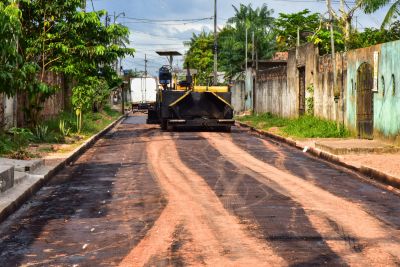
(226, 129)
(164, 124)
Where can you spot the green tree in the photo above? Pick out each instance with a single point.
(231, 42)
(288, 25)
(200, 55)
(257, 21)
(90, 58)
(59, 36)
(42, 46)
(372, 36)
(231, 54)
(311, 28)
(10, 59)
(232, 38)
(344, 16)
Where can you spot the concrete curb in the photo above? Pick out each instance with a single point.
(364, 170)
(15, 203)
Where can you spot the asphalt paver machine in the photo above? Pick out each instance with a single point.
(184, 104)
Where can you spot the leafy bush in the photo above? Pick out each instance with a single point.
(6, 144)
(41, 133)
(21, 137)
(64, 129)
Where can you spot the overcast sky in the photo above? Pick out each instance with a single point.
(147, 36)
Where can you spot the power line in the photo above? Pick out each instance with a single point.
(165, 37)
(169, 20)
(159, 23)
(164, 22)
(154, 44)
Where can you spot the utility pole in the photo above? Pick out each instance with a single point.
(116, 62)
(145, 77)
(332, 43)
(298, 36)
(215, 45)
(335, 91)
(246, 53)
(107, 19)
(117, 70)
(145, 65)
(252, 49)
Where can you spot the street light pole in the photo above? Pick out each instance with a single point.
(215, 45)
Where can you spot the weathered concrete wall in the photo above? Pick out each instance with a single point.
(386, 101)
(325, 105)
(303, 56)
(249, 82)
(291, 110)
(238, 96)
(9, 109)
(271, 91)
(276, 88)
(273, 94)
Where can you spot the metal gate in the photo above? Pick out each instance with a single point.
(302, 90)
(365, 115)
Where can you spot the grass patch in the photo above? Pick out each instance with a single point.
(302, 127)
(264, 121)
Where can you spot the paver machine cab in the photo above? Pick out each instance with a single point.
(185, 104)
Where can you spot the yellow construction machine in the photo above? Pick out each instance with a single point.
(182, 103)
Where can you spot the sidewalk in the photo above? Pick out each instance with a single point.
(377, 160)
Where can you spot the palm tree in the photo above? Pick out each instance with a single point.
(394, 10)
(258, 21)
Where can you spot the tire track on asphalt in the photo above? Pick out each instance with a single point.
(380, 243)
(341, 182)
(90, 214)
(216, 237)
(267, 214)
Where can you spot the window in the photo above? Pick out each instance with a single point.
(383, 85)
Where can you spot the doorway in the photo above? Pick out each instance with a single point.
(302, 90)
(365, 112)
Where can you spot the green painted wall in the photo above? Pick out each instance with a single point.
(387, 99)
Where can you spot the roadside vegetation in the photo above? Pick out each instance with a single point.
(57, 37)
(303, 127)
(59, 134)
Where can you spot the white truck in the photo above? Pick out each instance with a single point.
(143, 92)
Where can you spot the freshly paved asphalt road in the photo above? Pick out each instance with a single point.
(143, 197)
